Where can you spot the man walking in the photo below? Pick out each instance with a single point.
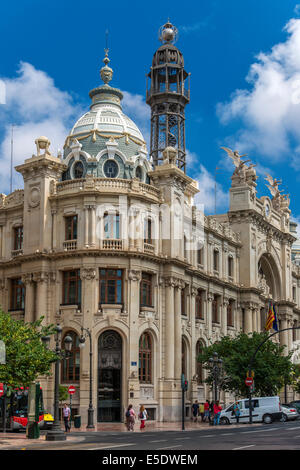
(217, 413)
(66, 415)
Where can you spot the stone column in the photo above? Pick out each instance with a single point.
(169, 328)
(283, 317)
(254, 319)
(177, 330)
(248, 319)
(93, 226)
(224, 316)
(210, 298)
(86, 226)
(29, 297)
(41, 278)
(134, 278)
(89, 291)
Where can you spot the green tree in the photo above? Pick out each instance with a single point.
(26, 356)
(271, 367)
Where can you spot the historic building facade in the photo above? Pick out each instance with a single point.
(108, 238)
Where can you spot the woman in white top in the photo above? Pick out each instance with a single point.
(143, 415)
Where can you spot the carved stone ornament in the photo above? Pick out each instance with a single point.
(88, 273)
(34, 197)
(134, 275)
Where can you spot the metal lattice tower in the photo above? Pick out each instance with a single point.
(167, 97)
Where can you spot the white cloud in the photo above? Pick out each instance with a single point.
(135, 107)
(206, 184)
(36, 107)
(270, 109)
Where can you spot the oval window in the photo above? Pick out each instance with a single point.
(110, 169)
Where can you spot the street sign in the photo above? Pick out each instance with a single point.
(71, 389)
(249, 381)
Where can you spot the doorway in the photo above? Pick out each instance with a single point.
(109, 377)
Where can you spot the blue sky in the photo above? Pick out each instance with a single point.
(244, 59)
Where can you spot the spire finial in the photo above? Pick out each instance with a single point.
(106, 72)
(168, 33)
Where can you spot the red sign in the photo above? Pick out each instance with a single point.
(71, 389)
(249, 381)
(1, 389)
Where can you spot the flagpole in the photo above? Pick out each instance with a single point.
(11, 157)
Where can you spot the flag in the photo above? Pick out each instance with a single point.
(272, 318)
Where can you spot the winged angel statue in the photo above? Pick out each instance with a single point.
(279, 200)
(241, 169)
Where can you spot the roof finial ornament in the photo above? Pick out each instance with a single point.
(168, 33)
(106, 73)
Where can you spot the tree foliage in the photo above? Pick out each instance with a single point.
(271, 367)
(26, 356)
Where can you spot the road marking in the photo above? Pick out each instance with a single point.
(181, 438)
(209, 435)
(171, 447)
(227, 433)
(111, 446)
(244, 447)
(160, 440)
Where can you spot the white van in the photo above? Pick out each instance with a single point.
(264, 409)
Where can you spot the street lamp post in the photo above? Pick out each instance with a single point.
(216, 366)
(90, 424)
(56, 434)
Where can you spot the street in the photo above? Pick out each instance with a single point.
(276, 436)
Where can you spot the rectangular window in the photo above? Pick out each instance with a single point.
(200, 256)
(112, 226)
(146, 290)
(71, 227)
(71, 287)
(111, 286)
(17, 299)
(18, 238)
(230, 266)
(148, 231)
(216, 260)
(183, 302)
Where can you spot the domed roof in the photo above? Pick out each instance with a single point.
(106, 116)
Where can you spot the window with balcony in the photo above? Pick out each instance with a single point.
(17, 297)
(146, 299)
(111, 225)
(111, 286)
(71, 287)
(71, 227)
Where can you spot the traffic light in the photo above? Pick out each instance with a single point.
(186, 385)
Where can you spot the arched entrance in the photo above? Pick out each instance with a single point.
(109, 376)
(269, 277)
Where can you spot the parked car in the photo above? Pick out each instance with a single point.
(264, 409)
(289, 412)
(295, 404)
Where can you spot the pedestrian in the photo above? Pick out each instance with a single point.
(237, 411)
(211, 412)
(201, 411)
(66, 415)
(130, 418)
(143, 415)
(217, 413)
(195, 409)
(206, 411)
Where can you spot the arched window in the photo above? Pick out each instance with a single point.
(139, 173)
(145, 359)
(70, 367)
(199, 366)
(78, 170)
